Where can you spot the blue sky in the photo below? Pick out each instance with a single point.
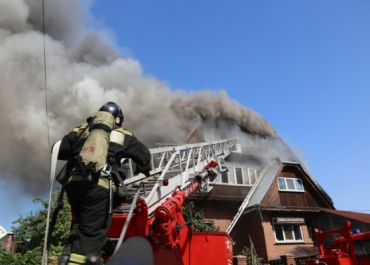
(303, 65)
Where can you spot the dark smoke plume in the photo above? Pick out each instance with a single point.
(83, 73)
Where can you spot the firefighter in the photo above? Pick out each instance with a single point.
(90, 203)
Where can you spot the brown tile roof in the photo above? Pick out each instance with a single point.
(362, 217)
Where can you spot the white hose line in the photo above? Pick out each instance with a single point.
(54, 160)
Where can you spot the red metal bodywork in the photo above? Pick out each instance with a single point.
(342, 251)
(173, 241)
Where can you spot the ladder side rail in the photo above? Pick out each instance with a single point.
(245, 202)
(158, 192)
(162, 149)
(168, 151)
(188, 146)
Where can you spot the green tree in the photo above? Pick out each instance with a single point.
(30, 233)
(197, 218)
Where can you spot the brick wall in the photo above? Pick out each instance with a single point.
(288, 259)
(274, 249)
(240, 260)
(222, 212)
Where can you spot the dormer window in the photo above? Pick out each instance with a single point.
(290, 184)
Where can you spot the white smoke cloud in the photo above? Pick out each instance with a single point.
(82, 73)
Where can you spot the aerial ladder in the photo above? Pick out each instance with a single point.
(154, 209)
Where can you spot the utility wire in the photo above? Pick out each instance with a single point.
(45, 251)
(46, 90)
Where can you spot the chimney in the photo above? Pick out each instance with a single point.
(9, 245)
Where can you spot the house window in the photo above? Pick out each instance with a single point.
(287, 232)
(290, 184)
(238, 175)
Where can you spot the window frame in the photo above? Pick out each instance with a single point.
(246, 173)
(286, 185)
(274, 224)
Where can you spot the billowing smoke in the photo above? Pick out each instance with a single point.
(83, 73)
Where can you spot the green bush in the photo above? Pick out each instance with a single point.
(197, 219)
(30, 233)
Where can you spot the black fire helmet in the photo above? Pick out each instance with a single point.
(115, 110)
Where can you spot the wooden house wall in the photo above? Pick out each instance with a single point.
(249, 229)
(309, 198)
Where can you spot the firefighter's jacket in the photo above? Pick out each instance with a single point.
(123, 144)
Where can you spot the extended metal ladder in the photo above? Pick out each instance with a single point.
(177, 164)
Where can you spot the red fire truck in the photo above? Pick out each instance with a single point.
(154, 208)
(350, 249)
(172, 239)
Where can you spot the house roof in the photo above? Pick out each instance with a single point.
(362, 217)
(272, 168)
(265, 182)
(272, 152)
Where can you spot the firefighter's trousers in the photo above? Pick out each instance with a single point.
(89, 231)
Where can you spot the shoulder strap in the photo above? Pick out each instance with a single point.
(81, 131)
(112, 162)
